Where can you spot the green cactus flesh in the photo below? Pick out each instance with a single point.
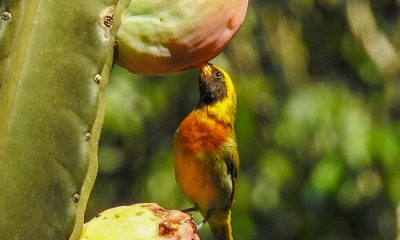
(55, 59)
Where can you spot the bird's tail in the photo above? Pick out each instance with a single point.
(222, 230)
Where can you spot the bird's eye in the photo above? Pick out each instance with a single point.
(218, 74)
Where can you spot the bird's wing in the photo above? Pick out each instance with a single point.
(231, 159)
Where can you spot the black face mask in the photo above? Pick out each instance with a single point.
(212, 88)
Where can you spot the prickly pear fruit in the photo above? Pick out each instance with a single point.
(158, 37)
(146, 221)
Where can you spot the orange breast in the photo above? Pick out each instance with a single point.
(200, 132)
(197, 180)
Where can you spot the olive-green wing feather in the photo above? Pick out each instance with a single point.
(230, 156)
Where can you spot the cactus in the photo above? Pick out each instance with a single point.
(54, 66)
(55, 60)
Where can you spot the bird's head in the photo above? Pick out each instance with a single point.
(217, 92)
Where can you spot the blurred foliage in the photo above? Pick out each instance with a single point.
(318, 124)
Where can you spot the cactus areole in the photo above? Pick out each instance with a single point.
(55, 60)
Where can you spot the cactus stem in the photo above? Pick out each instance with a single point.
(97, 78)
(6, 16)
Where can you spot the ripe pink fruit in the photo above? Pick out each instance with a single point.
(159, 37)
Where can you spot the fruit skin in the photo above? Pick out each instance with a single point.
(206, 159)
(145, 221)
(51, 113)
(161, 37)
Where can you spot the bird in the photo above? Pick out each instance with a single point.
(205, 152)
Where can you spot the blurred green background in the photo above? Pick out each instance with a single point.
(318, 124)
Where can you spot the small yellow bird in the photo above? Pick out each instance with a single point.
(205, 154)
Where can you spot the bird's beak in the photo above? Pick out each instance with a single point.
(205, 70)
